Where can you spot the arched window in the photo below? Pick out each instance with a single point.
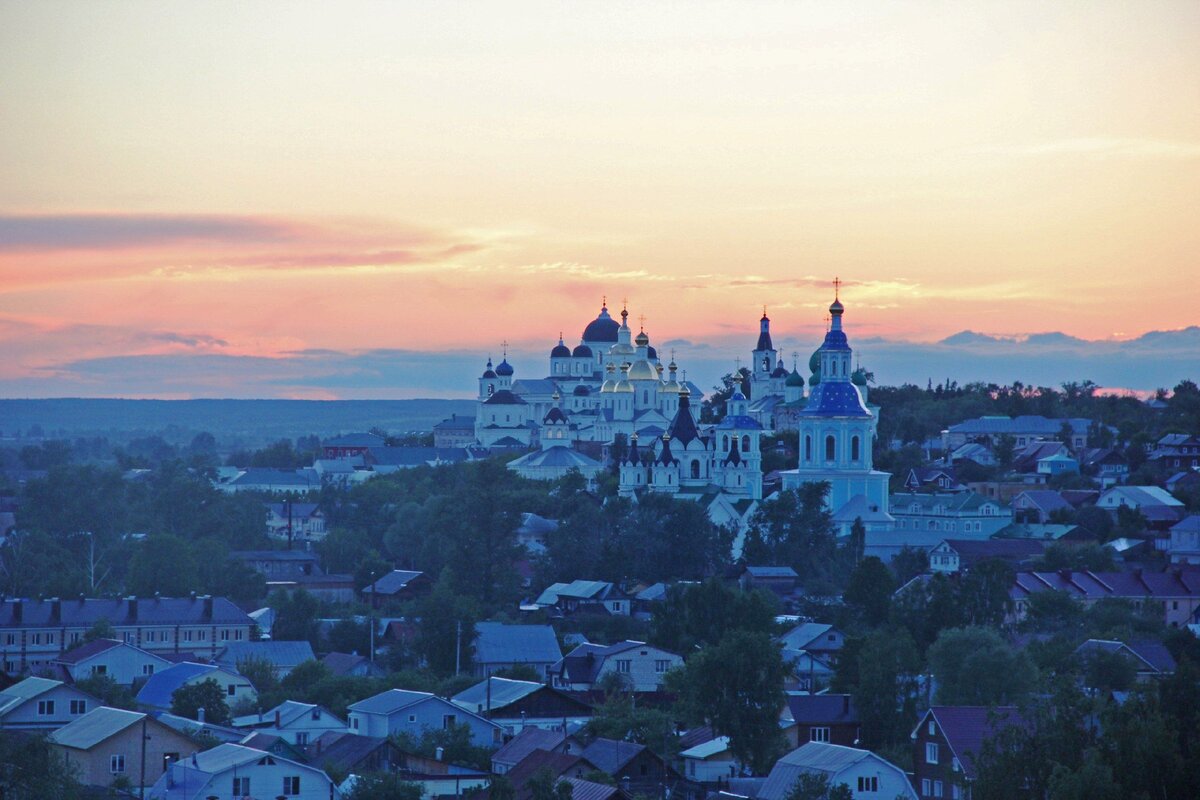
(645, 396)
(491, 388)
(854, 455)
(695, 469)
(808, 447)
(725, 442)
(830, 448)
(745, 444)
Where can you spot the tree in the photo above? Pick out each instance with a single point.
(447, 627)
(162, 564)
(30, 770)
(816, 786)
(295, 617)
(884, 687)
(736, 686)
(261, 675)
(207, 694)
(108, 691)
(705, 613)
(869, 591)
(983, 593)
(974, 666)
(386, 786)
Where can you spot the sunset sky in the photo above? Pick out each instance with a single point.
(290, 199)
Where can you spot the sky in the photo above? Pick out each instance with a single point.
(366, 199)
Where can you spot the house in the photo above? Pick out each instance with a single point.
(336, 587)
(295, 522)
(349, 445)
(42, 704)
(972, 452)
(232, 770)
(781, 580)
(1183, 482)
(279, 565)
(1153, 502)
(34, 632)
(401, 711)
(1049, 533)
(631, 764)
(947, 741)
(556, 459)
(829, 718)
(194, 727)
(561, 766)
(709, 762)
(107, 744)
(1184, 547)
(1038, 505)
(585, 596)
(352, 665)
(936, 479)
(1107, 465)
(1022, 430)
(527, 740)
(1176, 592)
(957, 555)
(295, 723)
(398, 585)
(282, 656)
(344, 753)
(866, 774)
(520, 704)
(438, 778)
(273, 481)
(645, 666)
(499, 646)
(386, 460)
(157, 693)
(122, 662)
(1175, 452)
(967, 513)
(273, 744)
(1027, 459)
(1150, 659)
(454, 432)
(818, 638)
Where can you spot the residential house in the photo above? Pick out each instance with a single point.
(439, 778)
(1107, 465)
(520, 704)
(1048, 533)
(282, 656)
(280, 565)
(533, 530)
(1039, 505)
(296, 723)
(1154, 503)
(781, 580)
(965, 513)
(34, 632)
(644, 665)
(344, 753)
(972, 452)
(273, 481)
(959, 555)
(828, 718)
(585, 596)
(397, 585)
(158, 692)
(401, 711)
(194, 727)
(295, 522)
(385, 460)
(42, 704)
(1176, 592)
(232, 770)
(454, 432)
(630, 764)
(820, 639)
(561, 766)
(709, 762)
(1150, 659)
(122, 662)
(866, 774)
(1184, 547)
(933, 479)
(946, 742)
(108, 744)
(349, 445)
(527, 740)
(499, 646)
(273, 744)
(335, 587)
(345, 665)
(1022, 430)
(1175, 452)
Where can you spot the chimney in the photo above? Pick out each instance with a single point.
(18, 608)
(200, 715)
(438, 753)
(55, 610)
(132, 607)
(277, 718)
(208, 607)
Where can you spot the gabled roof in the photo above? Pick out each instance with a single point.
(391, 701)
(813, 757)
(498, 692)
(394, 581)
(279, 654)
(117, 611)
(1141, 496)
(94, 727)
(498, 643)
(355, 440)
(610, 755)
(713, 747)
(161, 686)
(527, 741)
(343, 663)
(25, 690)
(343, 751)
(288, 711)
(557, 456)
(1149, 656)
(966, 728)
(1189, 524)
(1047, 500)
(92, 648)
(799, 637)
(824, 709)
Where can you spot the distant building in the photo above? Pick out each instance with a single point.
(499, 646)
(123, 663)
(1176, 592)
(828, 718)
(43, 704)
(948, 740)
(292, 522)
(866, 774)
(231, 770)
(351, 444)
(108, 744)
(454, 432)
(957, 513)
(1022, 430)
(401, 711)
(159, 691)
(520, 704)
(956, 555)
(282, 656)
(645, 666)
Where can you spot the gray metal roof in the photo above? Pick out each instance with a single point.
(94, 727)
(813, 757)
(498, 643)
(389, 701)
(496, 692)
(279, 654)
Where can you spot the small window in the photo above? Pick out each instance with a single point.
(662, 665)
(868, 783)
(316, 714)
(291, 785)
(816, 734)
(623, 665)
(412, 717)
(231, 689)
(830, 448)
(808, 448)
(147, 669)
(78, 707)
(116, 764)
(354, 723)
(745, 444)
(45, 708)
(302, 738)
(937, 788)
(241, 786)
(931, 753)
(854, 456)
(449, 720)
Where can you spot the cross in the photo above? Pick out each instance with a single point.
(642, 322)
(738, 364)
(504, 344)
(795, 358)
(837, 285)
(624, 303)
(604, 301)
(826, 322)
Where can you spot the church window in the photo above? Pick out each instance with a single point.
(808, 448)
(724, 442)
(695, 469)
(739, 480)
(830, 448)
(766, 363)
(745, 444)
(491, 388)
(854, 448)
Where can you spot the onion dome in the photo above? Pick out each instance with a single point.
(560, 350)
(642, 340)
(624, 385)
(609, 382)
(794, 379)
(504, 369)
(835, 399)
(555, 416)
(835, 339)
(602, 329)
(815, 379)
(859, 377)
(489, 372)
(780, 370)
(581, 391)
(643, 371)
(737, 396)
(582, 351)
(651, 354)
(764, 333)
(814, 361)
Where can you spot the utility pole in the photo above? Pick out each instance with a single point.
(458, 647)
(371, 617)
(142, 779)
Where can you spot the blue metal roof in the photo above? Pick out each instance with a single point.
(837, 399)
(161, 686)
(498, 643)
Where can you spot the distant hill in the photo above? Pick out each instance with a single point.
(251, 420)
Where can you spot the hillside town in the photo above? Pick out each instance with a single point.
(608, 585)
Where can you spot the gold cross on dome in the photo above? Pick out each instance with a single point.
(642, 322)
(504, 344)
(837, 285)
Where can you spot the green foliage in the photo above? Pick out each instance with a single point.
(795, 529)
(869, 591)
(455, 742)
(880, 672)
(261, 675)
(163, 563)
(1092, 557)
(703, 614)
(974, 666)
(384, 786)
(206, 694)
(816, 786)
(295, 617)
(519, 672)
(108, 691)
(736, 686)
(447, 627)
(349, 636)
(30, 770)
